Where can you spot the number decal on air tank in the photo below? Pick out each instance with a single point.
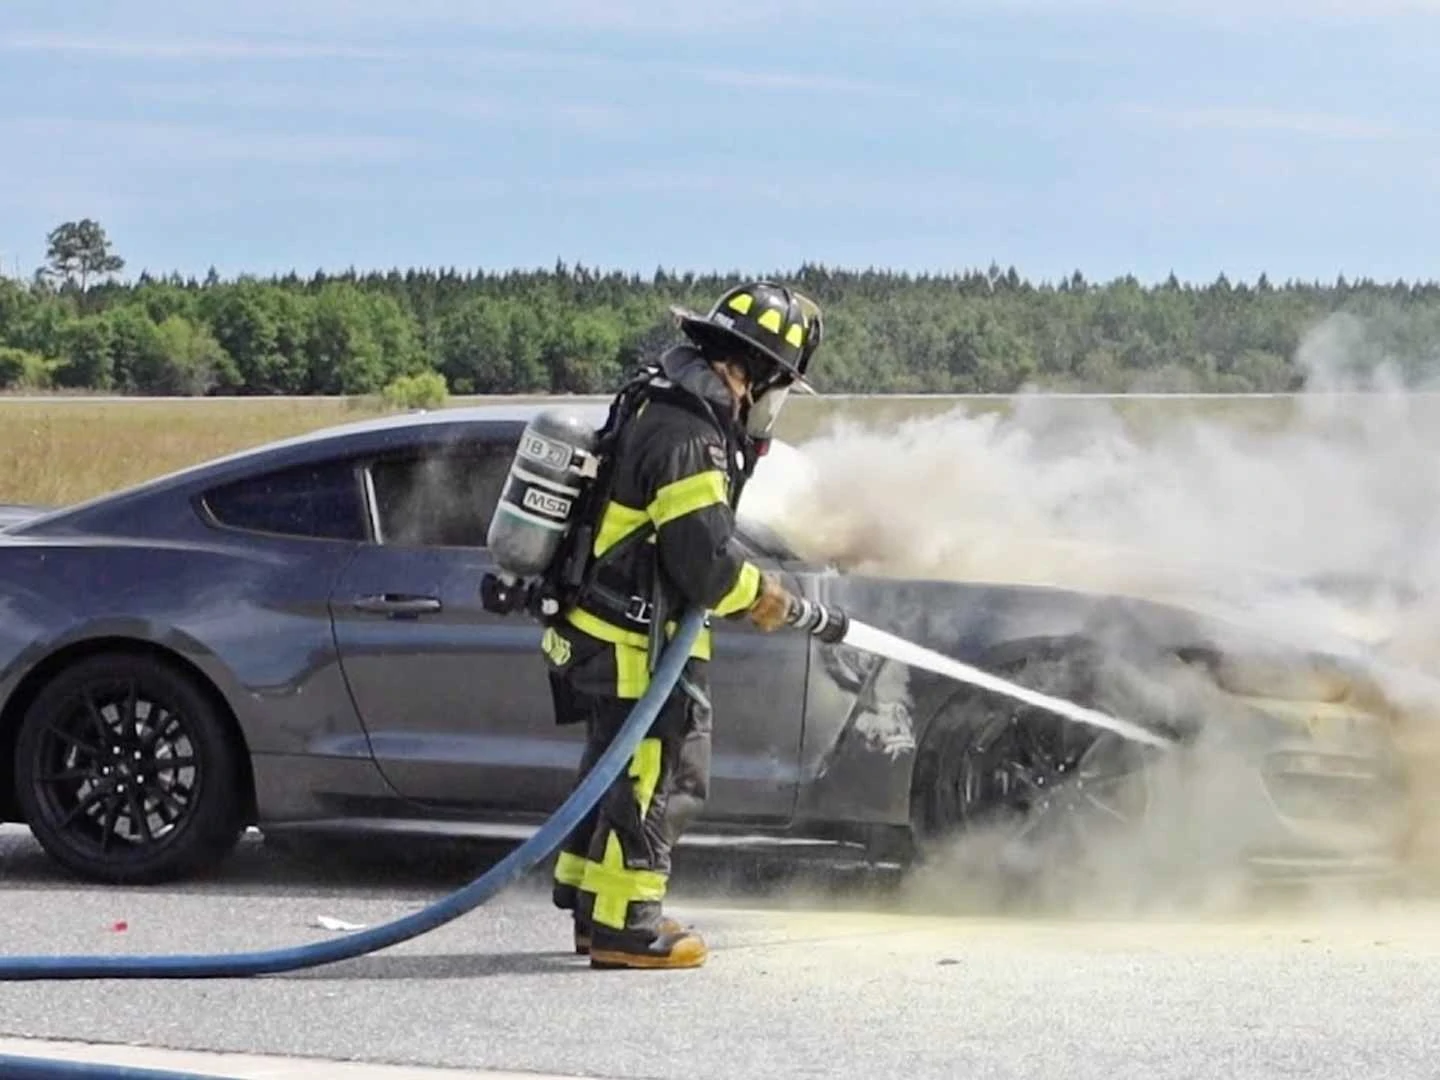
(546, 452)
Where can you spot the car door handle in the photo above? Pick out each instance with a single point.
(397, 604)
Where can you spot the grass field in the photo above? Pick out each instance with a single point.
(62, 450)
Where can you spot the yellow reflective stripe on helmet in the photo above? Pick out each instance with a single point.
(795, 335)
(770, 320)
(570, 869)
(618, 522)
(741, 302)
(686, 496)
(743, 593)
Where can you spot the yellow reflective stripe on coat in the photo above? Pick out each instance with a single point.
(614, 885)
(616, 523)
(632, 672)
(743, 593)
(598, 628)
(570, 868)
(610, 879)
(616, 888)
(686, 496)
(555, 647)
(645, 771)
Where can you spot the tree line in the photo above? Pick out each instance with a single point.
(574, 329)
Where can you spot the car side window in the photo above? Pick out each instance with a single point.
(322, 501)
(444, 499)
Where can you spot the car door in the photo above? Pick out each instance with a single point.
(757, 686)
(455, 699)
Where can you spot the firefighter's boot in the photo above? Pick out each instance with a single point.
(583, 933)
(665, 949)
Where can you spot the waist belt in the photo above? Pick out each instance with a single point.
(632, 611)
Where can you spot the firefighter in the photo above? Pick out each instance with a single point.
(664, 543)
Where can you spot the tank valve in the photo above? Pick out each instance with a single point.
(504, 594)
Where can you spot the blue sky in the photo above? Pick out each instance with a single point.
(1112, 136)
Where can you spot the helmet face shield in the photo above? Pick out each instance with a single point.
(764, 411)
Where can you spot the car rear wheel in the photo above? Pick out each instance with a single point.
(127, 773)
(1030, 802)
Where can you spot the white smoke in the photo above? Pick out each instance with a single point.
(1314, 518)
(1330, 499)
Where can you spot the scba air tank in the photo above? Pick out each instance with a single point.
(553, 462)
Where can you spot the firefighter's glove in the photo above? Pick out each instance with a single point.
(772, 607)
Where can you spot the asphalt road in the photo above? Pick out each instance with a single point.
(809, 976)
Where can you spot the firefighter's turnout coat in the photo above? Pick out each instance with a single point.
(664, 542)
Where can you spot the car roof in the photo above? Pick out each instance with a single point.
(372, 434)
(511, 412)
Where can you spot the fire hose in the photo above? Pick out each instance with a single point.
(828, 625)
(517, 863)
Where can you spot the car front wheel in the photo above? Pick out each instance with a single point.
(1025, 805)
(127, 773)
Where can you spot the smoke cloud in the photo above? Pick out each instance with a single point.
(1312, 519)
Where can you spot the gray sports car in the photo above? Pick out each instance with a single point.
(292, 637)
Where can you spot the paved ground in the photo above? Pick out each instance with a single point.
(825, 984)
(50, 1055)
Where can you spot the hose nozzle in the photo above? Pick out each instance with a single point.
(828, 624)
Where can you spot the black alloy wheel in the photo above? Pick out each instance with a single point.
(1043, 795)
(127, 773)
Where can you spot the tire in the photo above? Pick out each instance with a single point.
(91, 755)
(1029, 804)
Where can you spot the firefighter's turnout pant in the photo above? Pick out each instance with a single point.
(613, 868)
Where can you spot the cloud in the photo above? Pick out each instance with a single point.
(1218, 10)
(316, 99)
(166, 144)
(242, 49)
(791, 16)
(377, 19)
(785, 80)
(931, 197)
(650, 17)
(281, 30)
(1246, 118)
(167, 48)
